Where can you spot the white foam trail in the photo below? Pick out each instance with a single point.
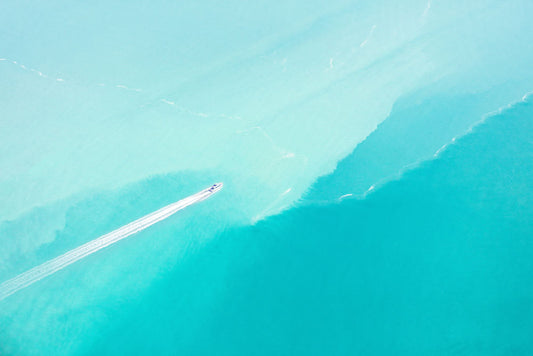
(368, 37)
(168, 102)
(286, 192)
(288, 155)
(426, 10)
(35, 274)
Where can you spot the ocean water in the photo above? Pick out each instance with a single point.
(421, 266)
(377, 163)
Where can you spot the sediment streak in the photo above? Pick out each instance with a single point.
(35, 274)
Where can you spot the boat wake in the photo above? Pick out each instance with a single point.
(35, 274)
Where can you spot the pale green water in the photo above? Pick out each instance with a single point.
(111, 111)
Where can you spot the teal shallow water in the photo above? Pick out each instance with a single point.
(111, 111)
(437, 262)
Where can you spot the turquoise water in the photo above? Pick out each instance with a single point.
(377, 163)
(421, 266)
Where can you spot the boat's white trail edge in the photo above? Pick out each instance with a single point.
(35, 274)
